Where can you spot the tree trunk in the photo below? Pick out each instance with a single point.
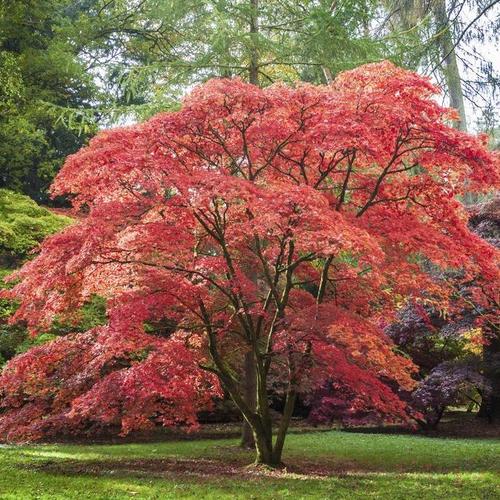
(264, 451)
(250, 386)
(250, 389)
(285, 422)
(260, 424)
(449, 66)
(490, 404)
(327, 74)
(253, 71)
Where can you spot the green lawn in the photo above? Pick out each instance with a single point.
(330, 465)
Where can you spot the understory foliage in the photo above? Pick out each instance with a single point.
(485, 221)
(24, 224)
(448, 352)
(457, 353)
(286, 222)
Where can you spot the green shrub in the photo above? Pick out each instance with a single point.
(24, 224)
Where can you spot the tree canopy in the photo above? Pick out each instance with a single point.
(286, 222)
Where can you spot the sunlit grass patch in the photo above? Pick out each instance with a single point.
(319, 465)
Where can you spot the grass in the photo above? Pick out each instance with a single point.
(332, 465)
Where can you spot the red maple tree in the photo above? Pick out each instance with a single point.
(286, 222)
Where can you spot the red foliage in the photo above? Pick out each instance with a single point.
(88, 381)
(286, 221)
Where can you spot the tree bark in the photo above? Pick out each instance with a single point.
(250, 389)
(327, 74)
(257, 429)
(449, 67)
(283, 428)
(253, 71)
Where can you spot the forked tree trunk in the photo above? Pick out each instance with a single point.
(269, 453)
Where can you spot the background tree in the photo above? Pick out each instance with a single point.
(69, 67)
(444, 39)
(40, 58)
(456, 349)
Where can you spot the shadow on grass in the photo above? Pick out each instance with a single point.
(459, 428)
(212, 479)
(237, 467)
(455, 424)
